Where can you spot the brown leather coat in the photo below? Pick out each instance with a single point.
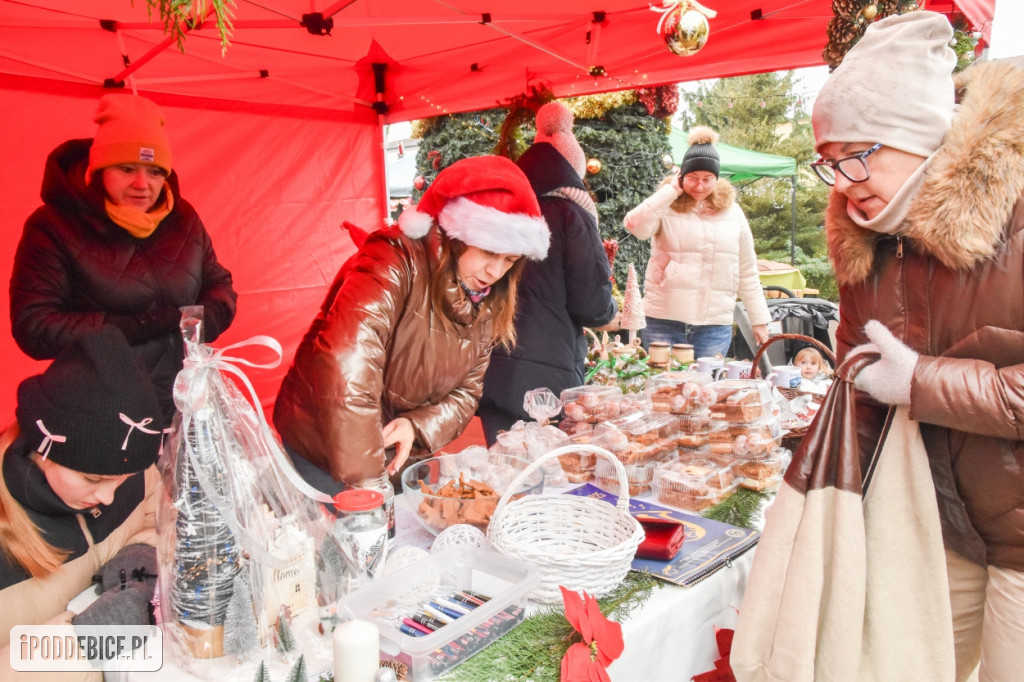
(951, 286)
(377, 351)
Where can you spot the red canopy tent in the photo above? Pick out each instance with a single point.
(279, 139)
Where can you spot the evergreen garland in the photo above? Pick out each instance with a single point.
(741, 508)
(181, 16)
(533, 650)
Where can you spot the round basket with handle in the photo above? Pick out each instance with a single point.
(579, 542)
(792, 438)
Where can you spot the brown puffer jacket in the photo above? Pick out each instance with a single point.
(951, 286)
(378, 351)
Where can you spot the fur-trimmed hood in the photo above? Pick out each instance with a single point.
(970, 187)
(719, 200)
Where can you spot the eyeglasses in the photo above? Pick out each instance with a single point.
(854, 167)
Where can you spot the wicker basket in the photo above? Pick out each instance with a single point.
(579, 542)
(792, 439)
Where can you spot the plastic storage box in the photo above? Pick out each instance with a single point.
(584, 403)
(751, 440)
(678, 392)
(694, 485)
(741, 400)
(392, 598)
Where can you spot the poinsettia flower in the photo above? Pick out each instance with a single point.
(602, 643)
(723, 669)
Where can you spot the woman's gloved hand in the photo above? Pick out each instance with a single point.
(137, 563)
(141, 327)
(888, 380)
(129, 606)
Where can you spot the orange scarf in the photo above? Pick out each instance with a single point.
(140, 224)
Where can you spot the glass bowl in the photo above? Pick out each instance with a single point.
(451, 502)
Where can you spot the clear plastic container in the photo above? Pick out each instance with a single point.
(765, 473)
(678, 392)
(740, 400)
(638, 476)
(583, 403)
(394, 597)
(693, 485)
(579, 465)
(751, 440)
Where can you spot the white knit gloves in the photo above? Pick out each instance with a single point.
(888, 380)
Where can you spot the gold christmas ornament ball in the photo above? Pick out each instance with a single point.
(869, 12)
(687, 32)
(593, 166)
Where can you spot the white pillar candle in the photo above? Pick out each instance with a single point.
(356, 651)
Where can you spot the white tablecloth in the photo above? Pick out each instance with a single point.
(670, 638)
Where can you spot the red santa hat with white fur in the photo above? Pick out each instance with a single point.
(483, 201)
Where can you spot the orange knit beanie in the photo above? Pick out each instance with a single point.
(131, 130)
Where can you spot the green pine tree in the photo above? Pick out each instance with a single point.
(262, 674)
(763, 112)
(628, 141)
(631, 145)
(298, 671)
(285, 638)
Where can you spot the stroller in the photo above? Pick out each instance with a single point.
(814, 317)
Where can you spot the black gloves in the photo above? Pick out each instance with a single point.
(139, 327)
(127, 583)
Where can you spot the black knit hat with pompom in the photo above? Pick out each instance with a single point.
(701, 154)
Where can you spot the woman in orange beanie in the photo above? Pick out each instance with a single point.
(114, 243)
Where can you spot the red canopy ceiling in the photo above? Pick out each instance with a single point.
(449, 56)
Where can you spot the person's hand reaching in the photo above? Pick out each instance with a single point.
(401, 434)
(888, 380)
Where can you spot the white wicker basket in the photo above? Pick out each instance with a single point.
(579, 542)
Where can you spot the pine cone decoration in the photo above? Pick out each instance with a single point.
(847, 8)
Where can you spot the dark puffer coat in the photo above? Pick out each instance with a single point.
(951, 286)
(558, 296)
(74, 266)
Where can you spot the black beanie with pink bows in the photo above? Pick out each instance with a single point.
(94, 409)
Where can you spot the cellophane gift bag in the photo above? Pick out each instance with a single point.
(249, 571)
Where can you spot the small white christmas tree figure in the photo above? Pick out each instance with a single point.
(633, 306)
(262, 674)
(241, 636)
(298, 671)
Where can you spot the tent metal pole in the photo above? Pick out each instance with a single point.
(88, 78)
(792, 233)
(160, 47)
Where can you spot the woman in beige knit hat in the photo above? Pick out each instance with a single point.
(115, 243)
(925, 226)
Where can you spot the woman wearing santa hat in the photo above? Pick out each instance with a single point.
(397, 354)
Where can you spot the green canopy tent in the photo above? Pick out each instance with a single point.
(739, 164)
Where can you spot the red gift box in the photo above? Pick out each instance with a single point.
(664, 538)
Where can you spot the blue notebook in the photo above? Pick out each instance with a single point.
(709, 544)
